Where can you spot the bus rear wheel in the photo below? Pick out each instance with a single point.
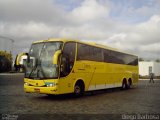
(78, 89)
(129, 83)
(124, 84)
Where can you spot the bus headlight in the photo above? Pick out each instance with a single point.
(50, 84)
(26, 84)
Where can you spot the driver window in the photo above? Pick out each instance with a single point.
(68, 57)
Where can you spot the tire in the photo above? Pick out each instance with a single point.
(78, 90)
(124, 85)
(50, 95)
(129, 84)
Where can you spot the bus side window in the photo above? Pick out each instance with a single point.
(68, 57)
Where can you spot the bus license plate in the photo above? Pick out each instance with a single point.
(37, 90)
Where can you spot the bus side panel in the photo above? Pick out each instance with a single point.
(81, 71)
(84, 70)
(97, 75)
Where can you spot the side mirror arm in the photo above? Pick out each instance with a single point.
(28, 57)
(56, 56)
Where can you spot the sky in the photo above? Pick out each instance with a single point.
(130, 25)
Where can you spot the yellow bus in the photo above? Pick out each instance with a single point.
(60, 66)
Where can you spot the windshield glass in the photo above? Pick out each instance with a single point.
(40, 65)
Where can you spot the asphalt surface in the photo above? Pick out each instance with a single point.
(144, 99)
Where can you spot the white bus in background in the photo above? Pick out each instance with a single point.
(22, 61)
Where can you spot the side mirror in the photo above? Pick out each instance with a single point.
(20, 57)
(28, 57)
(55, 57)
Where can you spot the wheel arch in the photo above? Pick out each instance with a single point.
(130, 80)
(124, 80)
(79, 81)
(124, 83)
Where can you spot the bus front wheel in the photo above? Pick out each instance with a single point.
(78, 89)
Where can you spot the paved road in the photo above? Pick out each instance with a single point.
(145, 99)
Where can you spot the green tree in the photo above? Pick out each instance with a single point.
(141, 59)
(158, 60)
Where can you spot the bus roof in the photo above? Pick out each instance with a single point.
(78, 41)
(54, 39)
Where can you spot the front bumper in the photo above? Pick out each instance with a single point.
(41, 90)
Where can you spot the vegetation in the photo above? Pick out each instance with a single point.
(158, 60)
(147, 77)
(5, 61)
(6, 55)
(141, 59)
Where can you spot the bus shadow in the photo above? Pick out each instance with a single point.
(105, 91)
(86, 94)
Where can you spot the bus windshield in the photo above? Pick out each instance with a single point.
(40, 64)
